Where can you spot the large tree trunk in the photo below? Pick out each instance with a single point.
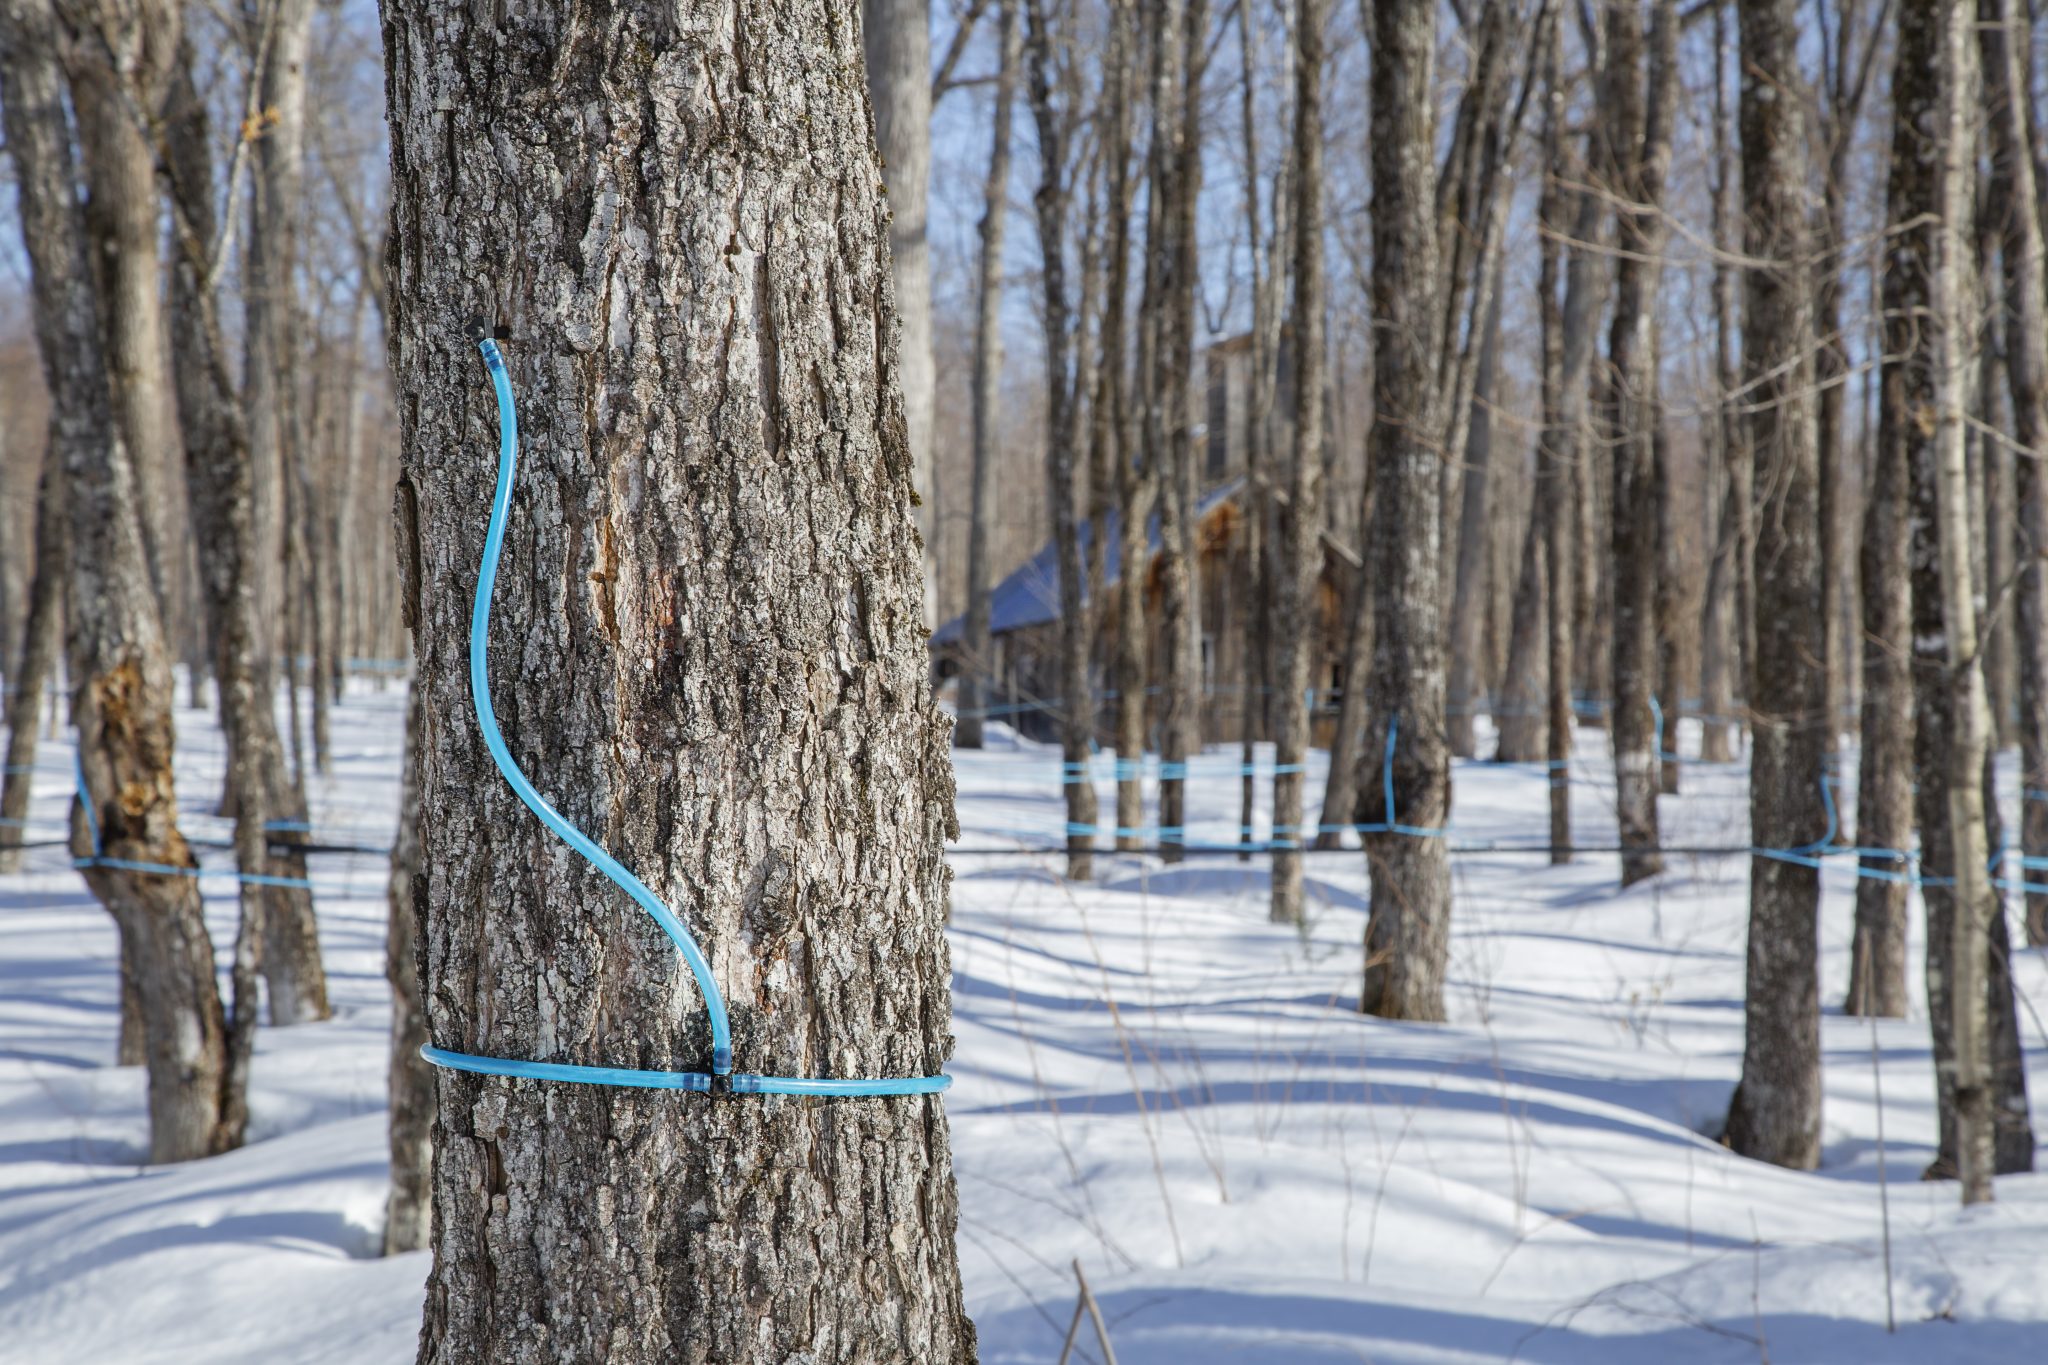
(899, 62)
(121, 672)
(408, 1213)
(41, 636)
(1639, 153)
(1776, 1112)
(1407, 938)
(292, 969)
(2006, 43)
(711, 654)
(988, 365)
(1299, 562)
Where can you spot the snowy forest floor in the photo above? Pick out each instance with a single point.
(1149, 1078)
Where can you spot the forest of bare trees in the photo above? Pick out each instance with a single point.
(1202, 382)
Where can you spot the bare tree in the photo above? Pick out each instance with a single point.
(1066, 383)
(1637, 156)
(278, 38)
(988, 365)
(780, 774)
(2005, 34)
(125, 823)
(1775, 1115)
(1180, 51)
(1726, 615)
(1407, 938)
(1884, 800)
(1299, 562)
(899, 59)
(42, 634)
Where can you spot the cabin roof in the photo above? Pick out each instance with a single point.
(1030, 596)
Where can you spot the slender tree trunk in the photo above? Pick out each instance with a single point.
(988, 366)
(1775, 1115)
(1468, 617)
(1560, 449)
(2006, 39)
(1301, 521)
(1638, 158)
(408, 1213)
(42, 635)
(1132, 482)
(1065, 385)
(899, 66)
(710, 653)
(1520, 714)
(220, 484)
(1884, 814)
(1949, 339)
(1407, 938)
(1724, 621)
(1340, 789)
(120, 669)
(1178, 64)
(293, 972)
(118, 61)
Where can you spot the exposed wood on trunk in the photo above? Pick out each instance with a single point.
(709, 651)
(120, 669)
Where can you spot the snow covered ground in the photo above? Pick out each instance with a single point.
(1151, 1079)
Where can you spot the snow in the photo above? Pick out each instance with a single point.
(1151, 1079)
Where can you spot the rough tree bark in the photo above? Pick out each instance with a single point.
(988, 365)
(710, 654)
(1300, 559)
(121, 672)
(2006, 38)
(1639, 120)
(1775, 1115)
(1407, 937)
(899, 61)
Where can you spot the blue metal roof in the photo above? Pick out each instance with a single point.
(1030, 596)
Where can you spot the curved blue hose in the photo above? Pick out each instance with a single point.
(721, 1076)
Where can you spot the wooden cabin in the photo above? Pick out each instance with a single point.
(1024, 688)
